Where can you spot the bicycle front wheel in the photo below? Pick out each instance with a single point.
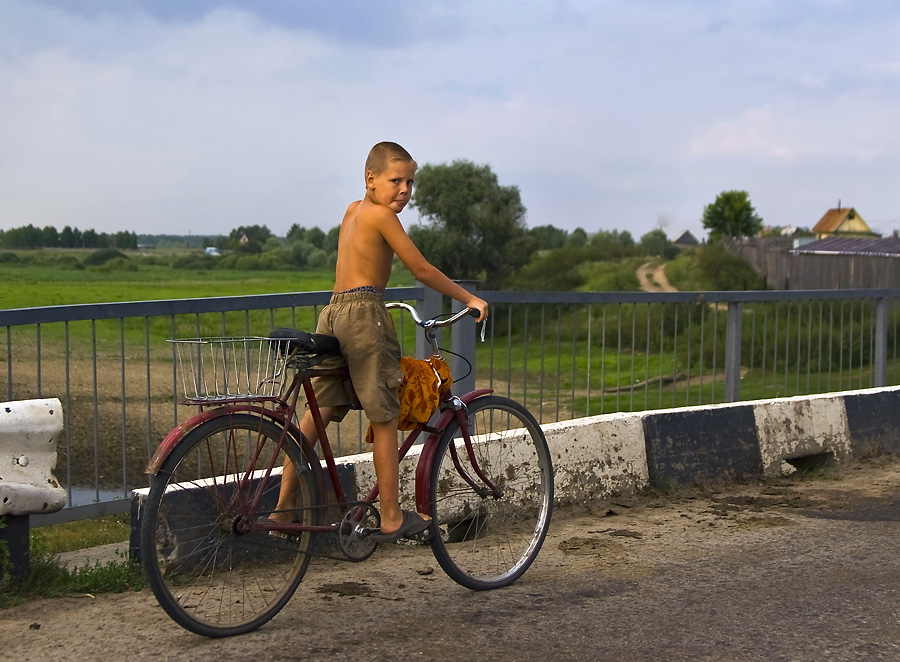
(208, 571)
(491, 494)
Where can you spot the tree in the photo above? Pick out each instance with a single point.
(70, 238)
(476, 226)
(330, 245)
(578, 237)
(295, 233)
(549, 237)
(654, 242)
(90, 239)
(27, 236)
(51, 237)
(622, 240)
(257, 236)
(125, 239)
(731, 215)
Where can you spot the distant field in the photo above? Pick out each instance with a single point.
(26, 286)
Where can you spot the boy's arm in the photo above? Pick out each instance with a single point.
(394, 234)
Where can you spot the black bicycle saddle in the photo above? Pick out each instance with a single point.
(307, 343)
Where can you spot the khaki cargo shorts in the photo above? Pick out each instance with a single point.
(371, 352)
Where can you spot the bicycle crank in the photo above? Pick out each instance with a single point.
(353, 529)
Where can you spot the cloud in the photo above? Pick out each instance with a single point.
(206, 115)
(754, 134)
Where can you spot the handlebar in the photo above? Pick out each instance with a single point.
(431, 324)
(434, 322)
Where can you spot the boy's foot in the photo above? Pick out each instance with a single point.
(412, 524)
(283, 517)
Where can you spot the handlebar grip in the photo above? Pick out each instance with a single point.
(473, 313)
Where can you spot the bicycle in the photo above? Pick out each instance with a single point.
(219, 566)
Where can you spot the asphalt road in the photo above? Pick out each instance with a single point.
(794, 569)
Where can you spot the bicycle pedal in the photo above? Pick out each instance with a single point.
(290, 537)
(422, 537)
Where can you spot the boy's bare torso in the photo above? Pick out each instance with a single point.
(364, 257)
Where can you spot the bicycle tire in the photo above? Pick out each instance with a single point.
(489, 541)
(208, 576)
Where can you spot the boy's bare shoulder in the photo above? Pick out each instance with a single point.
(372, 214)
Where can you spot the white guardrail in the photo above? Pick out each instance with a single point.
(29, 430)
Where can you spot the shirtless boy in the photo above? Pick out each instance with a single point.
(370, 236)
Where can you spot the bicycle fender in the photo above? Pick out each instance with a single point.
(426, 458)
(177, 433)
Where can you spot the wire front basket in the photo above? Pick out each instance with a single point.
(213, 370)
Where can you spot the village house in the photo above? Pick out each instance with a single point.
(843, 221)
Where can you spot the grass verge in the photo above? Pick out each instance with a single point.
(61, 538)
(49, 578)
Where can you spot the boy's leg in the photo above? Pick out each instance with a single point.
(289, 481)
(387, 470)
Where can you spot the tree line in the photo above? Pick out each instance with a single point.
(31, 236)
(471, 227)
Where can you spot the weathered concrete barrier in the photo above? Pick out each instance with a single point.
(600, 456)
(29, 430)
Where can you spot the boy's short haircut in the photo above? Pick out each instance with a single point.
(383, 153)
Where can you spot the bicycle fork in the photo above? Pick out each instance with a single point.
(487, 488)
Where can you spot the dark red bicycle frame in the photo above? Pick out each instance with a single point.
(282, 414)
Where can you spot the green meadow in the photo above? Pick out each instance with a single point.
(29, 286)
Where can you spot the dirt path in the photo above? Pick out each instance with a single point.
(653, 278)
(677, 572)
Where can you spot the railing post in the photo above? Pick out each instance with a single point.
(16, 535)
(881, 342)
(430, 306)
(463, 344)
(733, 353)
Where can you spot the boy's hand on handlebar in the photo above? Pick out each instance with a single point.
(481, 306)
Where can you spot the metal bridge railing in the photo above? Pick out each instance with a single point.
(563, 354)
(572, 354)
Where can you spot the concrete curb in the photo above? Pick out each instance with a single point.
(600, 456)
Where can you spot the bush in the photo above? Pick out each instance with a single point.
(32, 257)
(249, 263)
(103, 256)
(8, 257)
(723, 271)
(555, 270)
(69, 263)
(118, 264)
(195, 261)
(275, 260)
(228, 262)
(620, 276)
(298, 253)
(317, 259)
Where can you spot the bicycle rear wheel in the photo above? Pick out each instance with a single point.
(208, 573)
(488, 538)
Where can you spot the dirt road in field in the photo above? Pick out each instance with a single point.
(653, 278)
(790, 569)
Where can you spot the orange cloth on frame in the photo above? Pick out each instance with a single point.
(424, 382)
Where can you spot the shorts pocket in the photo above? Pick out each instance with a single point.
(393, 377)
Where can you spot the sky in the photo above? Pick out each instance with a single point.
(175, 117)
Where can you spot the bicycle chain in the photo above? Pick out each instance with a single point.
(417, 539)
(348, 504)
